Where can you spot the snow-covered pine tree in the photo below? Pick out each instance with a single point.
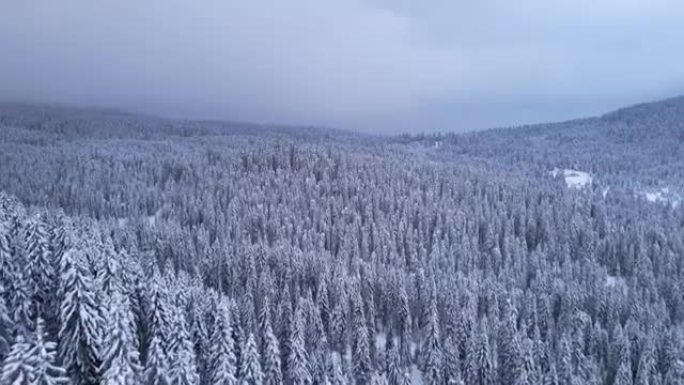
(182, 360)
(80, 321)
(271, 367)
(24, 309)
(551, 376)
(198, 335)
(221, 364)
(509, 345)
(623, 376)
(431, 349)
(157, 365)
(160, 310)
(7, 264)
(675, 375)
(323, 305)
(479, 361)
(379, 379)
(338, 377)
(6, 327)
(404, 326)
(361, 351)
(40, 268)
(298, 371)
(452, 366)
(646, 369)
(120, 360)
(251, 373)
(18, 367)
(46, 370)
(393, 366)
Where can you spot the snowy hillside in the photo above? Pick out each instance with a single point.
(140, 250)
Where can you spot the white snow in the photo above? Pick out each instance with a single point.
(605, 191)
(574, 179)
(663, 195)
(554, 173)
(616, 282)
(416, 376)
(612, 280)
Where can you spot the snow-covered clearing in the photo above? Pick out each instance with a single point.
(663, 195)
(573, 178)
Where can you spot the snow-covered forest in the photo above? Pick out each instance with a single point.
(141, 250)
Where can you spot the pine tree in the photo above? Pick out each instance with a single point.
(182, 360)
(298, 371)
(157, 367)
(509, 346)
(624, 373)
(338, 326)
(40, 267)
(24, 310)
(479, 365)
(379, 379)
(551, 376)
(7, 265)
(159, 312)
(272, 371)
(222, 369)
(675, 375)
(45, 368)
(431, 349)
(323, 305)
(565, 369)
(452, 365)
(18, 368)
(646, 368)
(393, 365)
(361, 350)
(6, 328)
(338, 377)
(198, 335)
(405, 326)
(251, 368)
(121, 363)
(80, 322)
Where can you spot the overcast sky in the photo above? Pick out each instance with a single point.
(371, 65)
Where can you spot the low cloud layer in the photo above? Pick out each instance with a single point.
(374, 65)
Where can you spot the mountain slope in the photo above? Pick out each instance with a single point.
(636, 147)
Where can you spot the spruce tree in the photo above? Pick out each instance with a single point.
(18, 367)
(157, 366)
(120, 361)
(80, 321)
(251, 373)
(431, 349)
(46, 370)
(182, 360)
(298, 370)
(271, 356)
(221, 364)
(40, 268)
(361, 351)
(6, 328)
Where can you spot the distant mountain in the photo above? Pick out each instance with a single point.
(641, 146)
(81, 123)
(668, 110)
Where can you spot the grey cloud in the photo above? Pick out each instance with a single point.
(374, 65)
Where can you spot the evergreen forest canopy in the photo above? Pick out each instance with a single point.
(142, 250)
